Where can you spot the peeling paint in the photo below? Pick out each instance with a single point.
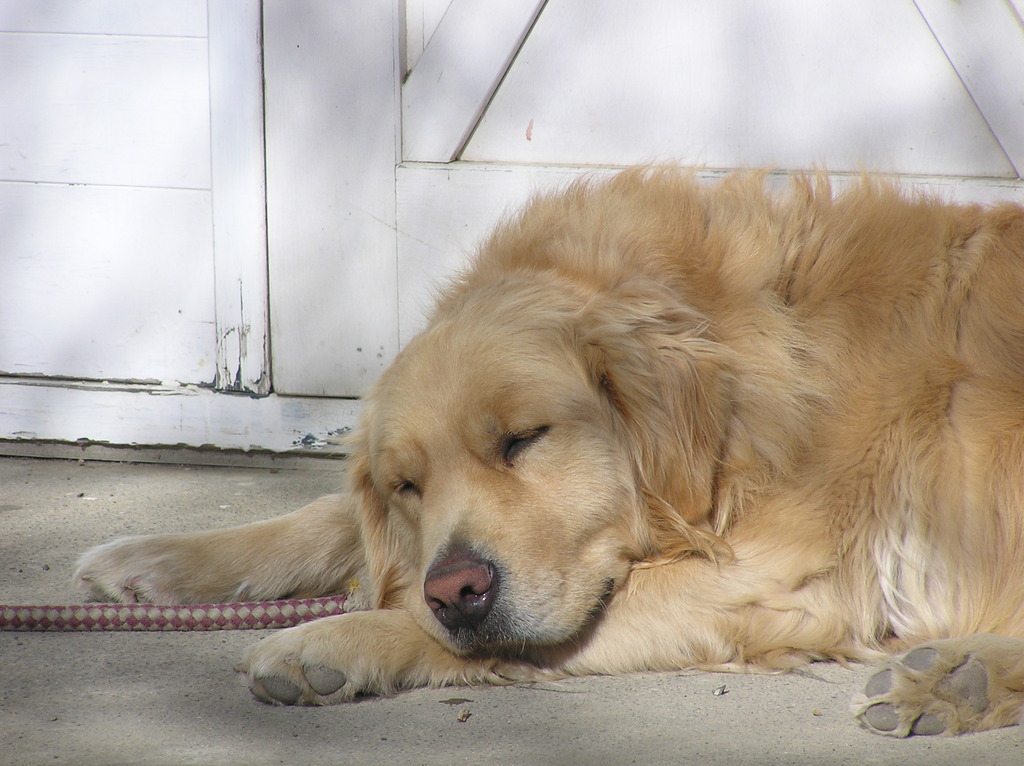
(35, 409)
(329, 439)
(234, 381)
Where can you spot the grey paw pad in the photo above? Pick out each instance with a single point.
(324, 680)
(280, 689)
(921, 658)
(880, 683)
(927, 725)
(966, 686)
(969, 682)
(881, 717)
(884, 719)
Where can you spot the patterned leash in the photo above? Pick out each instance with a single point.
(241, 615)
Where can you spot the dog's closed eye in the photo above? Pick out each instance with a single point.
(406, 487)
(513, 445)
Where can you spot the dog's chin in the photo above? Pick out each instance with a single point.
(497, 632)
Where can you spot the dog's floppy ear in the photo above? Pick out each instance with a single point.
(383, 543)
(668, 382)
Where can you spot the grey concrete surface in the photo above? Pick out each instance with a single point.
(172, 698)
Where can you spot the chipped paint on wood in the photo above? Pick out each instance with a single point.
(185, 415)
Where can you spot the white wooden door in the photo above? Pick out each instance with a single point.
(134, 298)
(151, 297)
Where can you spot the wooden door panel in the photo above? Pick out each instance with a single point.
(727, 83)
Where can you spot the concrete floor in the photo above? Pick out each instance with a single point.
(172, 698)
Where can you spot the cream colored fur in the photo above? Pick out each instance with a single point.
(780, 428)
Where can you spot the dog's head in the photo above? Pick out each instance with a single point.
(532, 445)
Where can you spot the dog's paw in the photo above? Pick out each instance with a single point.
(161, 569)
(335, 659)
(945, 687)
(297, 666)
(129, 570)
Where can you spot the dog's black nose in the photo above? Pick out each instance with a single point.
(460, 589)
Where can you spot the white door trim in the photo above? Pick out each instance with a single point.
(239, 195)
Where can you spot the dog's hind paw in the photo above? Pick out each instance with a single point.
(945, 687)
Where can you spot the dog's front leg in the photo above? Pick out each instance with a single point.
(336, 658)
(314, 551)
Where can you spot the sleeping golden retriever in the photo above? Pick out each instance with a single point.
(660, 426)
